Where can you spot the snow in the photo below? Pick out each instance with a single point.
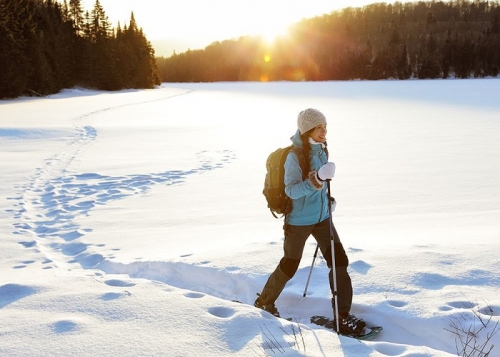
(130, 220)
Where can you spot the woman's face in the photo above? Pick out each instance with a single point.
(318, 134)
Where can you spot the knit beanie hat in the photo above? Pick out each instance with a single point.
(309, 119)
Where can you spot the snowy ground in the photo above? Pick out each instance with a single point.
(130, 220)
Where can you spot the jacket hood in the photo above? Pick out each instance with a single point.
(297, 141)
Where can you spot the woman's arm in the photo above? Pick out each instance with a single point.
(295, 186)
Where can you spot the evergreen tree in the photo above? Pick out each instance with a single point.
(138, 70)
(103, 70)
(76, 14)
(403, 68)
(16, 25)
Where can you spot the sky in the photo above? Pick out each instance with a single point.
(194, 24)
(131, 220)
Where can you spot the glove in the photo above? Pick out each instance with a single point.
(333, 204)
(326, 172)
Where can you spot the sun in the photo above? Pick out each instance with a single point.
(271, 32)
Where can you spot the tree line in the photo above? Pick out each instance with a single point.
(435, 39)
(46, 46)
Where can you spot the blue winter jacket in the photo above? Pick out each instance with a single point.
(310, 205)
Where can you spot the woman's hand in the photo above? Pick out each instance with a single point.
(326, 172)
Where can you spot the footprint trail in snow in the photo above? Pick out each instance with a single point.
(46, 209)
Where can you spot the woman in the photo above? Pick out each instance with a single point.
(310, 216)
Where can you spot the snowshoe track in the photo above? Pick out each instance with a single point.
(46, 208)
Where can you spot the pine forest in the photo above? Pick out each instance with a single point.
(47, 46)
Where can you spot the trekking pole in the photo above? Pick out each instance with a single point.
(334, 270)
(311, 270)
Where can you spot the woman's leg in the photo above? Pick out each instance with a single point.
(293, 246)
(321, 233)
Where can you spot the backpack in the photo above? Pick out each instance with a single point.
(274, 183)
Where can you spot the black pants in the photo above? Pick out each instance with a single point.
(295, 240)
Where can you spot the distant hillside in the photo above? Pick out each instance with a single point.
(435, 39)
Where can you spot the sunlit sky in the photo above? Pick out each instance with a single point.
(194, 24)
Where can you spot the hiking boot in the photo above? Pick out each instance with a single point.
(351, 325)
(271, 308)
